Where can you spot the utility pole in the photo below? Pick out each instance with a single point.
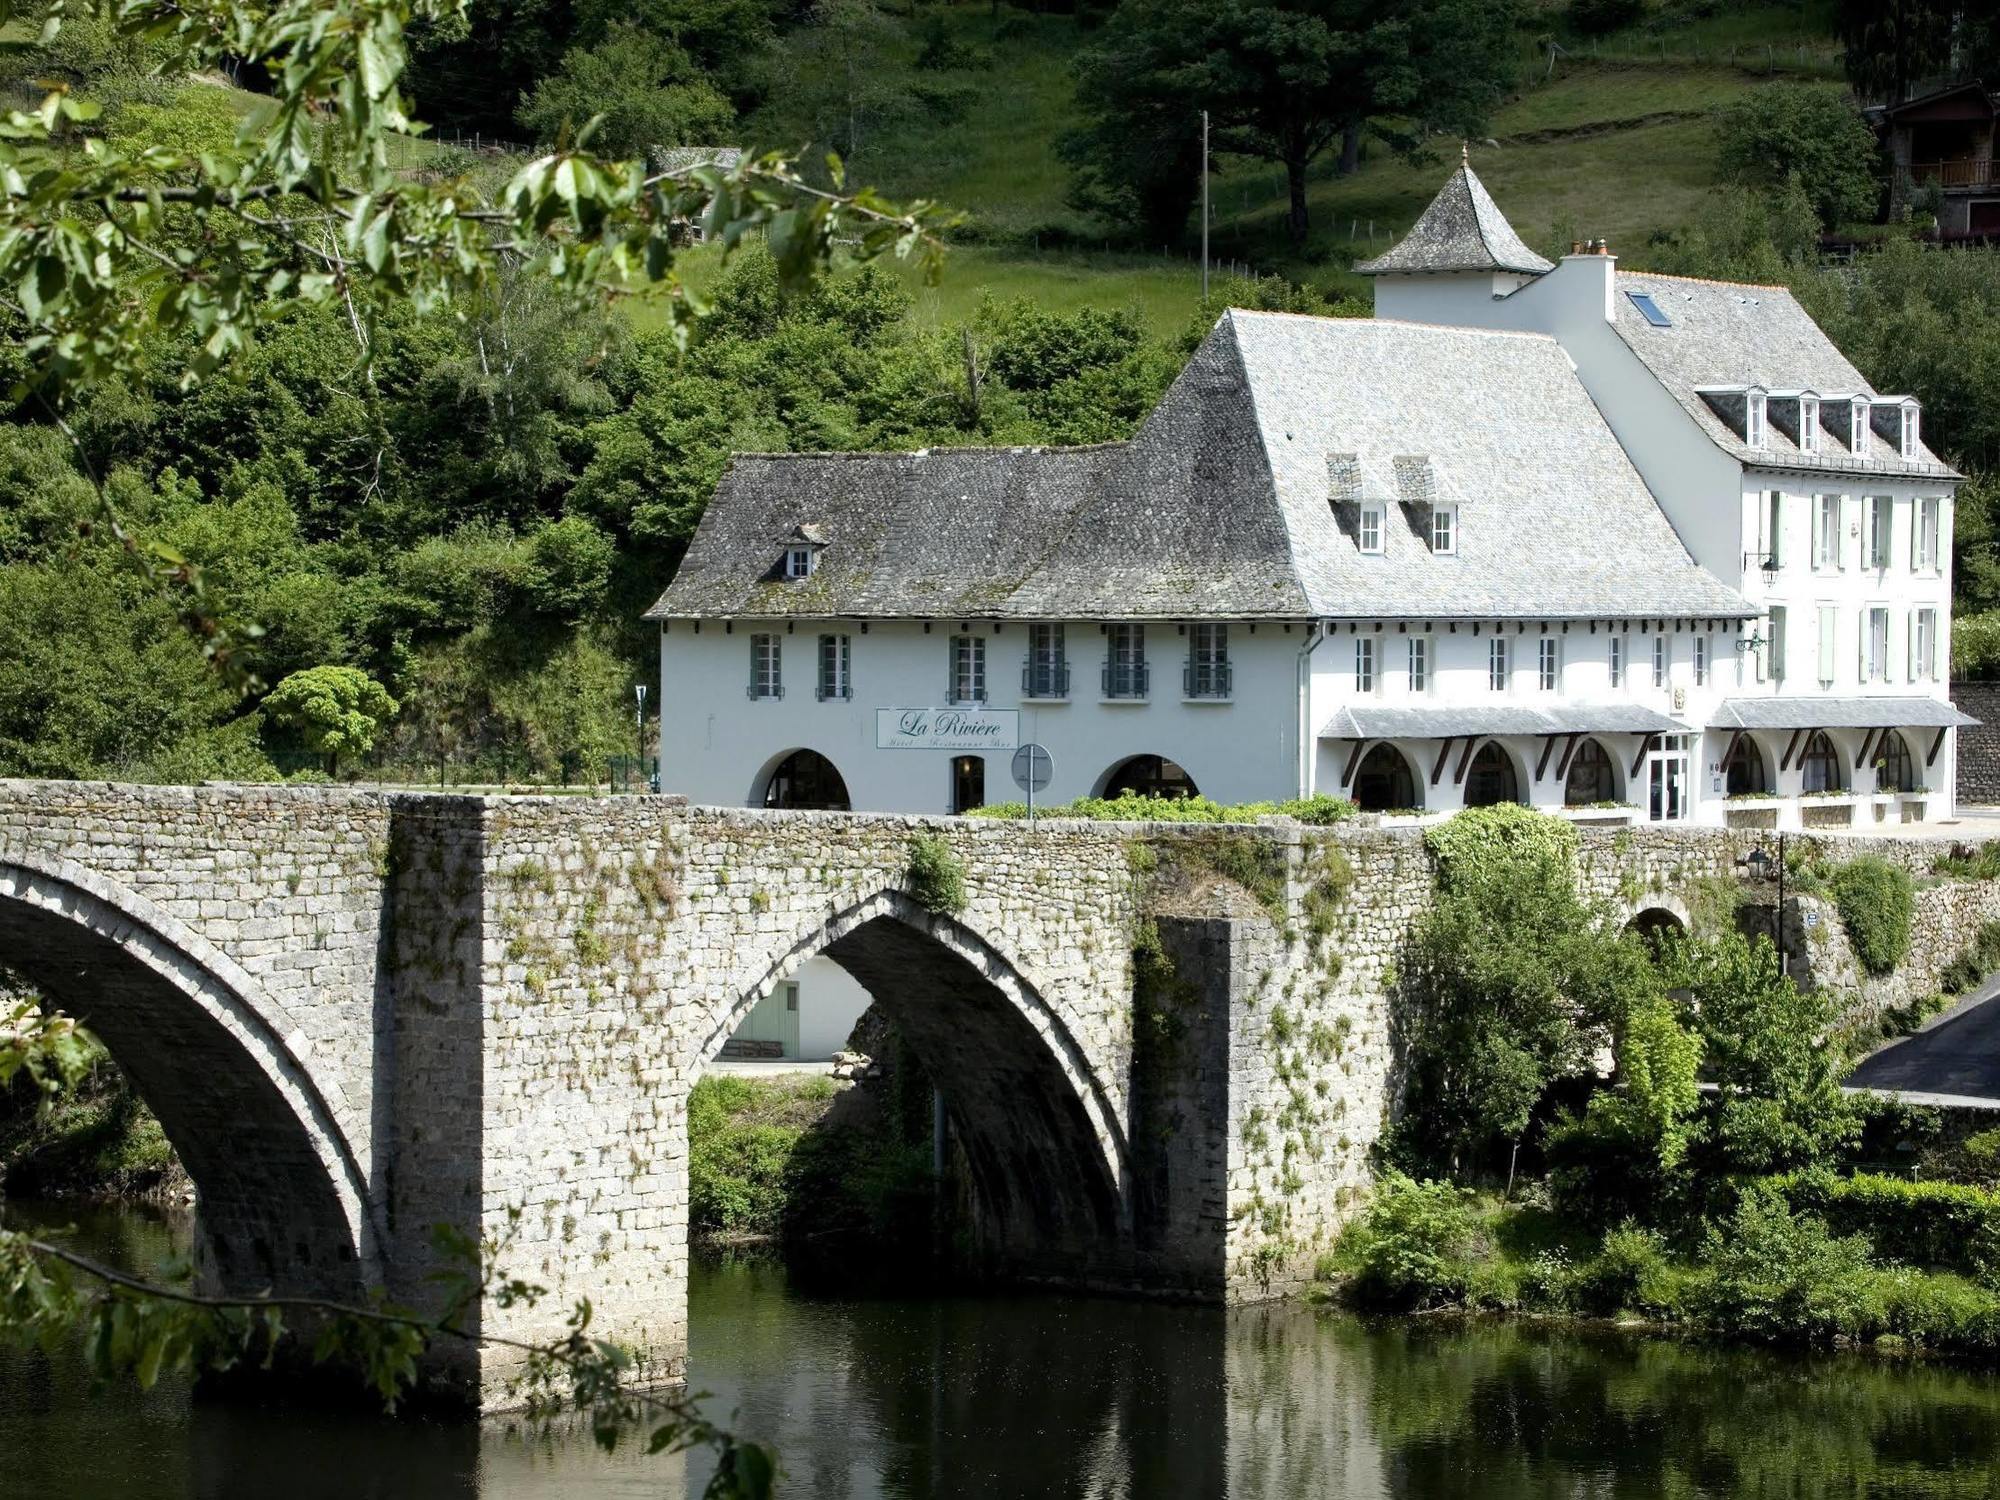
(1204, 206)
(639, 694)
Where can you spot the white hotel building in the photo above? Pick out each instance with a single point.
(1627, 547)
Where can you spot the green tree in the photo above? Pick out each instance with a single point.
(643, 89)
(1809, 131)
(1777, 1103)
(1510, 984)
(1890, 46)
(336, 710)
(1284, 81)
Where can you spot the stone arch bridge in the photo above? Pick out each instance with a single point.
(362, 1015)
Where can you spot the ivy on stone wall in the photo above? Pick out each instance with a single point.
(1876, 901)
(937, 878)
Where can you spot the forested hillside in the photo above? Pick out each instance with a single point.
(476, 513)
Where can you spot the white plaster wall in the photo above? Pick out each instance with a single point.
(831, 1000)
(718, 746)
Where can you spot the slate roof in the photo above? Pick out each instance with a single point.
(1221, 506)
(1734, 334)
(1838, 713)
(1462, 230)
(1367, 722)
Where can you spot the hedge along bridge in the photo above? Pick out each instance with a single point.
(362, 1015)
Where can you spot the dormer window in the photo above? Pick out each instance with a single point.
(798, 562)
(1370, 530)
(1910, 438)
(1753, 419)
(1857, 432)
(1444, 530)
(1808, 424)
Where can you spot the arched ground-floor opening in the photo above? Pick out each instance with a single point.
(802, 781)
(1386, 782)
(1491, 777)
(282, 1205)
(1746, 770)
(1896, 767)
(1592, 776)
(1148, 776)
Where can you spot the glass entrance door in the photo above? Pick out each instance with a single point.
(1667, 780)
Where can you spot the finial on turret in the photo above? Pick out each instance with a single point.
(1465, 153)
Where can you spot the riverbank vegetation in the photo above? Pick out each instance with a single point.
(1608, 1124)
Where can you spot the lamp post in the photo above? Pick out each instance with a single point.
(639, 693)
(1759, 865)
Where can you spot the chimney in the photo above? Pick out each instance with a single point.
(1591, 271)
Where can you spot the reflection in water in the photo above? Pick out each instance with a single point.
(927, 1395)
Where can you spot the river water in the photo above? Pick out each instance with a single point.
(1041, 1395)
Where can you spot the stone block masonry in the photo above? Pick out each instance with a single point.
(1166, 1050)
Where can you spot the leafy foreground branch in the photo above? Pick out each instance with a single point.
(137, 1329)
(108, 251)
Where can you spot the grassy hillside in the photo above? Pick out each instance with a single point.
(1615, 138)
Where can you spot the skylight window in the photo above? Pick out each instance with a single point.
(1649, 309)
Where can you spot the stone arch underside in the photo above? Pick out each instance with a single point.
(1043, 1142)
(282, 1203)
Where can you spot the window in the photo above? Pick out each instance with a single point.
(1444, 529)
(1662, 660)
(1829, 622)
(1649, 309)
(1908, 447)
(1208, 662)
(1770, 540)
(968, 670)
(1496, 664)
(1808, 424)
(1046, 674)
(1819, 766)
(1371, 528)
(1701, 661)
(1420, 665)
(1618, 661)
(798, 562)
(1364, 664)
(833, 680)
(1125, 662)
(1548, 664)
(1753, 419)
(1924, 544)
(1875, 646)
(1875, 542)
(1895, 767)
(1826, 532)
(1774, 647)
(1923, 645)
(1857, 429)
(766, 676)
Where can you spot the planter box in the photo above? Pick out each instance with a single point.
(1601, 817)
(1826, 812)
(1753, 815)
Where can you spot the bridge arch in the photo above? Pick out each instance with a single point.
(284, 1204)
(1044, 1140)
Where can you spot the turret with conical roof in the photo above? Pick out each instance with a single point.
(1462, 231)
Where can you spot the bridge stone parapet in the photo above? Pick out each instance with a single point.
(1165, 1051)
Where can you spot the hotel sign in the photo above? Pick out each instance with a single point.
(947, 728)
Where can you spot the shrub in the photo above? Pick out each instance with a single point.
(1409, 1249)
(1625, 1273)
(937, 879)
(1876, 901)
(1506, 844)
(1948, 1225)
(336, 710)
(1132, 807)
(1979, 958)
(1596, 17)
(1780, 1276)
(1812, 132)
(1966, 863)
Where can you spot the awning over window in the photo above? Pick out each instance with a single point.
(1838, 713)
(1371, 723)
